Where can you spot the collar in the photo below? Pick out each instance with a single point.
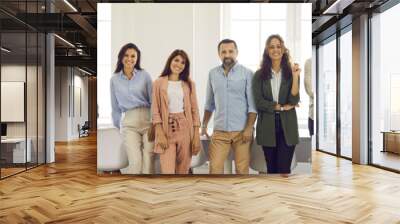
(273, 73)
(235, 66)
(122, 75)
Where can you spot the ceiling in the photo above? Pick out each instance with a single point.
(74, 23)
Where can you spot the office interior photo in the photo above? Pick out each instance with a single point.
(212, 22)
(50, 73)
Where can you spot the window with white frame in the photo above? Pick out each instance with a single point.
(385, 85)
(251, 24)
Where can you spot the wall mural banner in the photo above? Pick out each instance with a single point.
(204, 88)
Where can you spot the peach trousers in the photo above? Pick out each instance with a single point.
(177, 157)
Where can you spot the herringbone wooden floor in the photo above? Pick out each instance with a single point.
(70, 191)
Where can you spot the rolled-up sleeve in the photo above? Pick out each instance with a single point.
(294, 100)
(210, 102)
(149, 88)
(249, 93)
(116, 111)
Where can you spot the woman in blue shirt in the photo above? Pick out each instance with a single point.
(131, 88)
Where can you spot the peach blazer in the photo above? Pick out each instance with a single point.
(160, 111)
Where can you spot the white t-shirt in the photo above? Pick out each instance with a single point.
(175, 96)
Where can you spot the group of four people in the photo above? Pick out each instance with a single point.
(234, 94)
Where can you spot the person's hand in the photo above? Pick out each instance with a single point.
(162, 139)
(277, 107)
(247, 135)
(287, 107)
(204, 132)
(296, 70)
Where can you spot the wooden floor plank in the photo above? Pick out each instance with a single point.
(70, 191)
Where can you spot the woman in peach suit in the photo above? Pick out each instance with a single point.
(176, 115)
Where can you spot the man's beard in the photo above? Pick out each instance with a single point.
(228, 62)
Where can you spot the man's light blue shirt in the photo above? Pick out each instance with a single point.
(129, 94)
(231, 97)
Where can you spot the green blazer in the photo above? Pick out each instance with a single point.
(265, 134)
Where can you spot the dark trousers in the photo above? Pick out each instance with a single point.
(311, 126)
(279, 158)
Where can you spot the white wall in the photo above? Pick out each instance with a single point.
(80, 82)
(66, 120)
(12, 73)
(61, 103)
(33, 127)
(207, 36)
(158, 29)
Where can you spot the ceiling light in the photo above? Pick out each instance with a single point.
(70, 5)
(84, 71)
(5, 50)
(65, 41)
(337, 7)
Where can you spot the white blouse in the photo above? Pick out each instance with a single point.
(175, 96)
(276, 84)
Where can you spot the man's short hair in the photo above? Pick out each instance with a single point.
(227, 41)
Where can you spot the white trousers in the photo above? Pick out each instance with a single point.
(134, 126)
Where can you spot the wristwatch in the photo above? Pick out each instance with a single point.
(281, 108)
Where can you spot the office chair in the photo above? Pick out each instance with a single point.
(84, 130)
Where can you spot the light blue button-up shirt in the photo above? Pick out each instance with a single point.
(129, 94)
(230, 96)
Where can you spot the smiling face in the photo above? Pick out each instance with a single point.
(228, 54)
(177, 65)
(275, 49)
(130, 58)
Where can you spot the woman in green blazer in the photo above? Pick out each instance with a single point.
(276, 94)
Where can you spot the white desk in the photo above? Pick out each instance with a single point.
(19, 149)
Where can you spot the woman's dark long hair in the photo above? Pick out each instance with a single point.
(121, 55)
(184, 76)
(266, 63)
